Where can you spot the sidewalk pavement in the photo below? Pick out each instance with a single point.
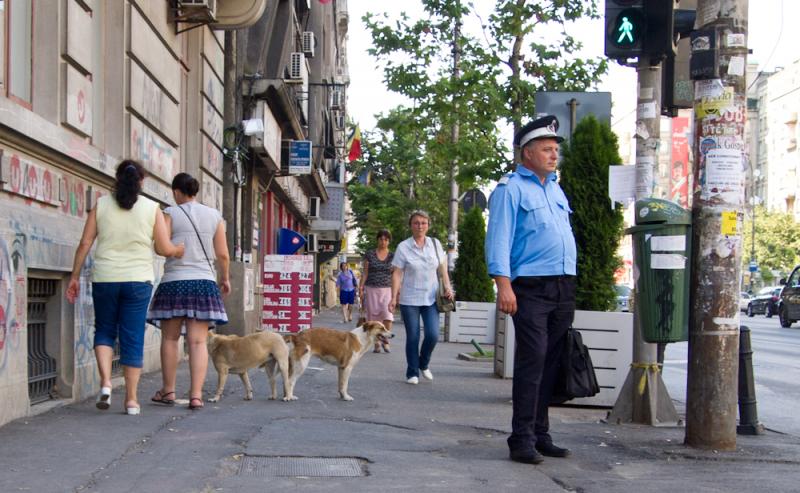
(442, 435)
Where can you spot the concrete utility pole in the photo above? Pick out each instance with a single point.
(720, 110)
(644, 397)
(452, 228)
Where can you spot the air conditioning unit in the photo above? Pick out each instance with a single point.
(337, 99)
(308, 44)
(312, 243)
(298, 70)
(197, 9)
(313, 207)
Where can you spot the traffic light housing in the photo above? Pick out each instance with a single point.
(637, 28)
(626, 27)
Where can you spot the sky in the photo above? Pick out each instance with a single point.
(772, 38)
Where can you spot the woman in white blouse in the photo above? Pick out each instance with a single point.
(414, 285)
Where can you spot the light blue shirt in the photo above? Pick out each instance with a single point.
(529, 232)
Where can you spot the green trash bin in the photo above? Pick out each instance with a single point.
(662, 251)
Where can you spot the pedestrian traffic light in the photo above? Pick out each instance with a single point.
(626, 27)
(660, 39)
(636, 28)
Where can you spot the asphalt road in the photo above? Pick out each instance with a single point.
(776, 360)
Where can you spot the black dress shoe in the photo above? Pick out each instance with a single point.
(550, 450)
(531, 457)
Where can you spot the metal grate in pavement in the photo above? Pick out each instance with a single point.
(315, 467)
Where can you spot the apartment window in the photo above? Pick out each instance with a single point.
(19, 51)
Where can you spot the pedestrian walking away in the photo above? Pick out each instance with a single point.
(346, 283)
(125, 225)
(414, 285)
(190, 292)
(375, 288)
(531, 254)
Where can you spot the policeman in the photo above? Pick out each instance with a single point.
(530, 251)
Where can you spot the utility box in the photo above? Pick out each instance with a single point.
(662, 252)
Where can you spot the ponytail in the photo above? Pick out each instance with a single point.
(129, 183)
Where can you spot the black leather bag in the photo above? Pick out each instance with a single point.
(576, 377)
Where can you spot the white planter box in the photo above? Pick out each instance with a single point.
(609, 337)
(473, 320)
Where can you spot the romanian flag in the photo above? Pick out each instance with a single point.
(354, 144)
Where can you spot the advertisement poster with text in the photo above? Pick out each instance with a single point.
(288, 293)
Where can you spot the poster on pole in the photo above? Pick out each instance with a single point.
(288, 292)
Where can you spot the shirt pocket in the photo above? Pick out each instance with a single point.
(535, 213)
(563, 211)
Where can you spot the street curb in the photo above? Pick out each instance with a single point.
(469, 357)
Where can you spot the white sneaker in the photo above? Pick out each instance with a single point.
(427, 374)
(413, 380)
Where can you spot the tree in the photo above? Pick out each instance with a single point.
(498, 74)
(394, 178)
(777, 244)
(471, 276)
(596, 224)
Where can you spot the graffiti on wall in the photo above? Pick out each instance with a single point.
(23, 177)
(12, 297)
(148, 100)
(212, 192)
(212, 157)
(212, 122)
(79, 101)
(152, 151)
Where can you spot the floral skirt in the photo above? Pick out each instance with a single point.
(197, 299)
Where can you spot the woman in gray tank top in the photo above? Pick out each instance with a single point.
(191, 290)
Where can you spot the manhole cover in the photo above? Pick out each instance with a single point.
(317, 467)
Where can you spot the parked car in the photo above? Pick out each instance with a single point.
(789, 302)
(744, 300)
(623, 297)
(765, 302)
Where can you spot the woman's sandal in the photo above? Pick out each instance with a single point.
(161, 397)
(195, 403)
(104, 398)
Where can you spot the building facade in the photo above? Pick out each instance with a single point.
(86, 83)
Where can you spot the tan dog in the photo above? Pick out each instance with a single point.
(235, 354)
(342, 349)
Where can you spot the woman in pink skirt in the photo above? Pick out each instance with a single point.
(376, 284)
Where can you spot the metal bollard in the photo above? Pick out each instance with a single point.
(748, 414)
(478, 347)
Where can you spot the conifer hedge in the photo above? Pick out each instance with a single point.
(597, 226)
(471, 276)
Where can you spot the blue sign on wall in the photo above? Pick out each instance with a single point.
(299, 157)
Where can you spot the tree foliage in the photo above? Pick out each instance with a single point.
(777, 244)
(471, 276)
(384, 192)
(596, 225)
(522, 48)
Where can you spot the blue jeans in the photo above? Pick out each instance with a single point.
(120, 310)
(418, 359)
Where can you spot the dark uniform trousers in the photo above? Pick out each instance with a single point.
(545, 310)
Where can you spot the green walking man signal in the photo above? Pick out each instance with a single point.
(625, 28)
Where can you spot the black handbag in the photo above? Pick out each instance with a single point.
(576, 377)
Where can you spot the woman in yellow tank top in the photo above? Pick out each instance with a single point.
(125, 226)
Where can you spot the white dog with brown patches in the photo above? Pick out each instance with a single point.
(342, 349)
